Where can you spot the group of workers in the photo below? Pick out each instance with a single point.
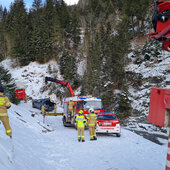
(80, 120)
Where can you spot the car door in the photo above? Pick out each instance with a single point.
(37, 104)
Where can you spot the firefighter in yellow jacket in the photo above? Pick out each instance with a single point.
(43, 110)
(71, 107)
(4, 105)
(92, 122)
(80, 124)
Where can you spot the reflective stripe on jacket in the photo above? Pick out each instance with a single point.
(80, 121)
(92, 119)
(4, 104)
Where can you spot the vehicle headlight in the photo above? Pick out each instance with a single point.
(118, 125)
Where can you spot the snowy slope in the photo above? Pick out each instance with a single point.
(153, 73)
(33, 76)
(148, 70)
(60, 150)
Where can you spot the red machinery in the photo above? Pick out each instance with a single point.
(60, 82)
(159, 113)
(80, 103)
(20, 94)
(161, 23)
(159, 106)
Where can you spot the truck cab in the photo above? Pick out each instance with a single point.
(80, 103)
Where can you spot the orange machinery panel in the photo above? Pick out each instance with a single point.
(159, 102)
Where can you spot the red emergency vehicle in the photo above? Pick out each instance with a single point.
(20, 94)
(108, 123)
(80, 103)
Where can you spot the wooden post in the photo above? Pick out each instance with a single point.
(168, 132)
(43, 118)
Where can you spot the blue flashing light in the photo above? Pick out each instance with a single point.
(108, 112)
(83, 98)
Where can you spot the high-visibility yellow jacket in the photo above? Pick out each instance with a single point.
(43, 109)
(80, 121)
(92, 120)
(4, 105)
(55, 108)
(70, 106)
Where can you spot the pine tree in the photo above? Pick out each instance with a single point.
(37, 4)
(17, 30)
(7, 82)
(52, 29)
(68, 66)
(74, 28)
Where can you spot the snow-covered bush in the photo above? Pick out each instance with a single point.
(123, 105)
(152, 49)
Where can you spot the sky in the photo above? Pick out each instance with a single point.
(6, 3)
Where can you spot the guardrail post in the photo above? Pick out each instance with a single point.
(168, 152)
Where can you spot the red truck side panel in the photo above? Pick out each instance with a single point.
(159, 102)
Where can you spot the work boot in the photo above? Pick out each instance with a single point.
(91, 139)
(79, 140)
(83, 140)
(94, 137)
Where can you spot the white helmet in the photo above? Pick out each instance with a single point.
(91, 110)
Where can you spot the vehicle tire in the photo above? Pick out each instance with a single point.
(33, 105)
(118, 134)
(64, 121)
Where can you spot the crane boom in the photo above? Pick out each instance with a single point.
(62, 83)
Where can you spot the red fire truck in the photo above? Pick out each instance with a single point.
(80, 103)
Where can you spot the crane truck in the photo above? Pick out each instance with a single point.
(80, 103)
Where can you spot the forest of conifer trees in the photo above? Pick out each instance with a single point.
(52, 30)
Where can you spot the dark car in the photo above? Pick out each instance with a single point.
(49, 106)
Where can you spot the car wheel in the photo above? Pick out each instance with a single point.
(64, 120)
(118, 134)
(33, 105)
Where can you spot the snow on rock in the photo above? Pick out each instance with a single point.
(33, 76)
(81, 67)
(154, 74)
(60, 150)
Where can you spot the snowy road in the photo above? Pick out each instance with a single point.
(60, 150)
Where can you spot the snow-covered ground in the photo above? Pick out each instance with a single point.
(37, 149)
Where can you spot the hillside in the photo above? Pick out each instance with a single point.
(141, 76)
(144, 75)
(100, 48)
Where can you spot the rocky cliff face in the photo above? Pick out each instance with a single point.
(148, 70)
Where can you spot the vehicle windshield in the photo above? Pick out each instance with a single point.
(96, 105)
(106, 117)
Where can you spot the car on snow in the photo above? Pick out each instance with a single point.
(108, 123)
(49, 106)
